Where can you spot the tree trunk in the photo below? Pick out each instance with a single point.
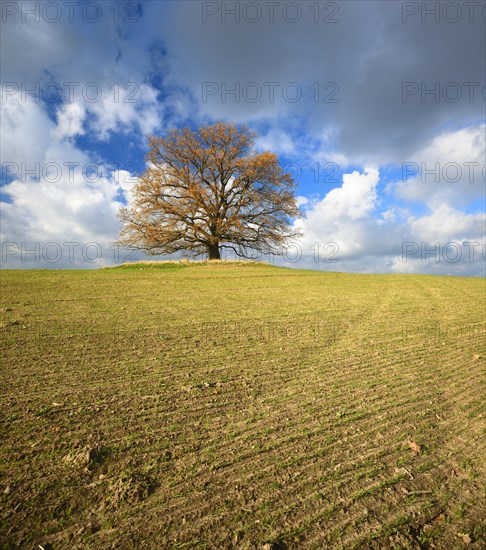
(214, 253)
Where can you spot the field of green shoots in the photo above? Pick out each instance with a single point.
(241, 405)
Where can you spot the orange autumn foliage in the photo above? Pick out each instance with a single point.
(207, 190)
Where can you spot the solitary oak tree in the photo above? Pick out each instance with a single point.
(206, 190)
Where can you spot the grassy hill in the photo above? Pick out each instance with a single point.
(178, 405)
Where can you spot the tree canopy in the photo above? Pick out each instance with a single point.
(207, 190)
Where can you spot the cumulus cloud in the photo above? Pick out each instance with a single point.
(100, 82)
(57, 194)
(70, 118)
(343, 232)
(450, 170)
(22, 124)
(277, 141)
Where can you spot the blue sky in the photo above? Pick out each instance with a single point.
(350, 95)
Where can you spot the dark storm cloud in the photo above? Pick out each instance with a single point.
(384, 57)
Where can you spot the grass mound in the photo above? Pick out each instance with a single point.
(180, 264)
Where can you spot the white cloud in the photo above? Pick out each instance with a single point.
(102, 80)
(23, 130)
(445, 224)
(277, 141)
(70, 118)
(302, 201)
(136, 106)
(53, 197)
(347, 218)
(339, 216)
(450, 170)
